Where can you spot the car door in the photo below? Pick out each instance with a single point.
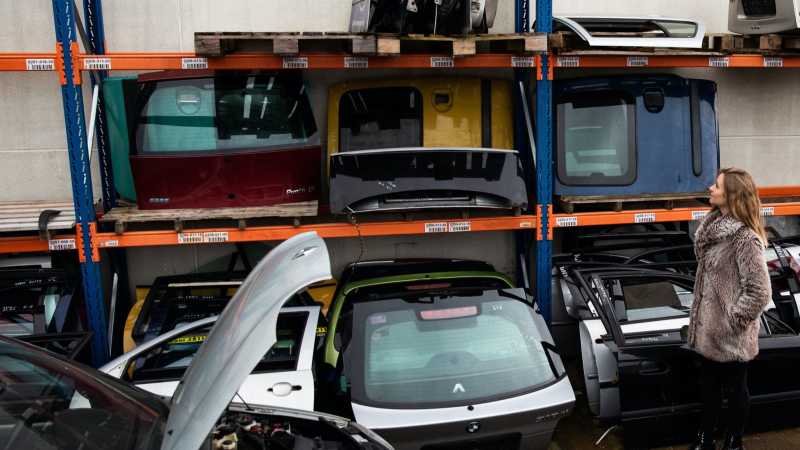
(643, 313)
(282, 378)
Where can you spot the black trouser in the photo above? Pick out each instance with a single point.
(732, 377)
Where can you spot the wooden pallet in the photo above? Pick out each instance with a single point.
(222, 43)
(726, 43)
(25, 216)
(122, 217)
(568, 203)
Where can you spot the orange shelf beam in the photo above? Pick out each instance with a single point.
(778, 191)
(32, 244)
(22, 62)
(329, 230)
(676, 61)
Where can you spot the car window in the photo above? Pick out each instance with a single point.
(170, 360)
(380, 118)
(637, 299)
(448, 350)
(46, 403)
(596, 139)
(224, 113)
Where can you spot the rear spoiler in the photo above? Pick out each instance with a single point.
(421, 178)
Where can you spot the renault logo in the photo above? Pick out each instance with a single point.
(473, 427)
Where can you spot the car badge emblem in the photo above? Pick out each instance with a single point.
(473, 427)
(458, 388)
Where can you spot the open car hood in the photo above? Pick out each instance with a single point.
(239, 338)
(419, 178)
(599, 31)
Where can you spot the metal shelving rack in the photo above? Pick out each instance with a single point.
(70, 63)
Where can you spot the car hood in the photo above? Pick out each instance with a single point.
(237, 341)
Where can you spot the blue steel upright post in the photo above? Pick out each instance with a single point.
(544, 166)
(93, 12)
(81, 175)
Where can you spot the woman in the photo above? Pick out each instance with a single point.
(732, 288)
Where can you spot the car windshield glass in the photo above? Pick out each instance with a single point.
(438, 350)
(596, 139)
(226, 113)
(380, 118)
(49, 403)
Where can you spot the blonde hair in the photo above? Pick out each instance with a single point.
(742, 201)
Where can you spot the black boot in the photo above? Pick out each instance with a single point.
(733, 442)
(704, 441)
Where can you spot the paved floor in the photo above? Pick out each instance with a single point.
(580, 432)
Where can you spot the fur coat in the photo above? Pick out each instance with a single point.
(731, 289)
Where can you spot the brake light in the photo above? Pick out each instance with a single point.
(428, 286)
(449, 313)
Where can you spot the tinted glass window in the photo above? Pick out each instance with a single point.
(226, 113)
(170, 360)
(597, 140)
(648, 299)
(46, 403)
(447, 350)
(380, 118)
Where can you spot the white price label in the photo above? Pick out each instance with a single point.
(719, 61)
(356, 62)
(194, 63)
(436, 227)
(442, 62)
(568, 61)
(526, 224)
(644, 217)
(523, 61)
(698, 215)
(215, 236)
(62, 244)
(295, 62)
(637, 61)
(458, 227)
(110, 243)
(768, 211)
(97, 64)
(190, 238)
(571, 221)
(773, 61)
(34, 64)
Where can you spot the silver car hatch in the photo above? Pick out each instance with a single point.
(237, 341)
(634, 31)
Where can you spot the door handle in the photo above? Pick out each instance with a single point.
(653, 368)
(283, 389)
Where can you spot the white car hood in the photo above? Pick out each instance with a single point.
(236, 342)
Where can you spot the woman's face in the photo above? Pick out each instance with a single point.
(717, 191)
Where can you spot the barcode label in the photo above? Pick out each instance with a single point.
(61, 244)
(773, 61)
(458, 227)
(644, 217)
(768, 211)
(40, 64)
(698, 215)
(436, 227)
(295, 62)
(194, 63)
(110, 243)
(523, 61)
(97, 64)
(215, 236)
(568, 61)
(637, 61)
(719, 61)
(355, 62)
(190, 238)
(442, 62)
(571, 221)
(526, 224)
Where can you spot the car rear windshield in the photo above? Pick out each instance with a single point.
(380, 118)
(435, 350)
(225, 113)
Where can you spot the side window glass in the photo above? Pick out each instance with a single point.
(637, 299)
(170, 360)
